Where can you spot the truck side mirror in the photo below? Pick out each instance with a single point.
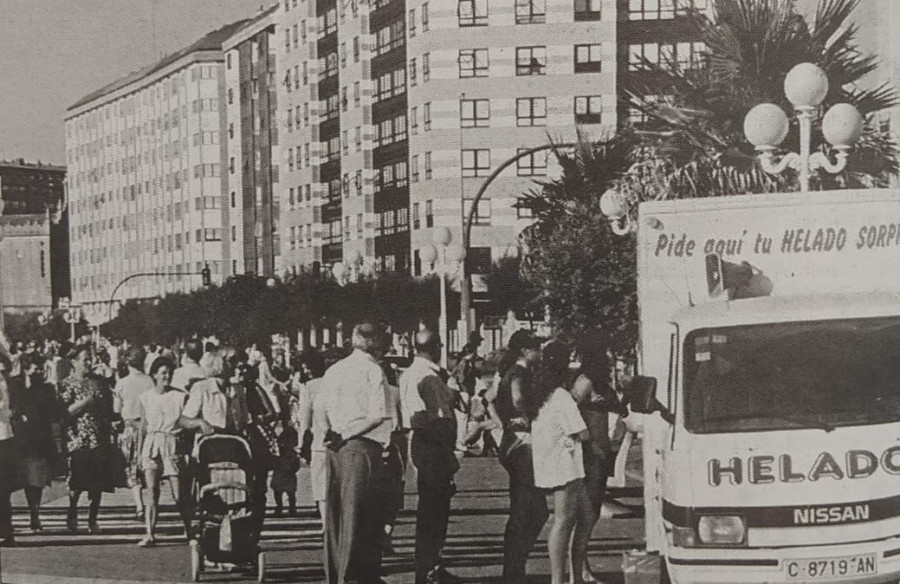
(643, 400)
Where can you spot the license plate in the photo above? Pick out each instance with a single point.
(831, 568)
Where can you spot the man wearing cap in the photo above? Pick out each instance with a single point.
(427, 404)
(354, 395)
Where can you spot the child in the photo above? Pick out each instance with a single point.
(284, 475)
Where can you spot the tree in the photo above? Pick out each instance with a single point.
(751, 45)
(509, 290)
(586, 272)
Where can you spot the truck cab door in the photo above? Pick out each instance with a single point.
(658, 441)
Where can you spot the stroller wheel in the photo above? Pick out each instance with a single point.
(196, 560)
(261, 567)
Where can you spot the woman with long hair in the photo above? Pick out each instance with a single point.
(557, 431)
(596, 400)
(89, 437)
(527, 504)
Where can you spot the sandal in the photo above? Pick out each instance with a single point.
(147, 542)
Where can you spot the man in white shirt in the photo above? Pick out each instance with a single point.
(428, 408)
(128, 392)
(190, 370)
(354, 395)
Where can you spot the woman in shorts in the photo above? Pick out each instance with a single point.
(557, 431)
(161, 409)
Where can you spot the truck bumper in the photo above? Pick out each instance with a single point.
(791, 565)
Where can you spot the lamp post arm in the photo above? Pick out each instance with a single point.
(772, 166)
(466, 288)
(126, 279)
(820, 160)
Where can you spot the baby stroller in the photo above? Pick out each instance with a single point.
(228, 529)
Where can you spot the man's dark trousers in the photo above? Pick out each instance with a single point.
(354, 518)
(433, 457)
(527, 512)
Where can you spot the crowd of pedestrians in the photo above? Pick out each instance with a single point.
(129, 416)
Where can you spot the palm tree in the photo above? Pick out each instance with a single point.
(698, 147)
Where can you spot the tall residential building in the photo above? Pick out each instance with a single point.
(145, 191)
(251, 171)
(395, 111)
(34, 250)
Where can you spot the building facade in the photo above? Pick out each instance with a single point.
(34, 251)
(395, 112)
(251, 171)
(144, 159)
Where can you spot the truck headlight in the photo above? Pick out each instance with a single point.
(721, 530)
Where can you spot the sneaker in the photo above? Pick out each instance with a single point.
(147, 541)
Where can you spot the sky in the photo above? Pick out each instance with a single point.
(52, 53)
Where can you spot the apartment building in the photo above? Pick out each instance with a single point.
(396, 111)
(251, 168)
(144, 158)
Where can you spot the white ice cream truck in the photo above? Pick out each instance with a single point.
(770, 354)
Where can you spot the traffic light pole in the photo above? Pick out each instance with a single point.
(204, 273)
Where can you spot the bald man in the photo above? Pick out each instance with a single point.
(354, 394)
(427, 404)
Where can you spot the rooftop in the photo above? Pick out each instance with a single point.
(211, 42)
(23, 164)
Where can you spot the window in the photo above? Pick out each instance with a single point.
(428, 171)
(412, 22)
(390, 131)
(416, 221)
(343, 55)
(390, 84)
(482, 215)
(412, 71)
(414, 168)
(522, 210)
(474, 113)
(357, 138)
(662, 9)
(531, 60)
(534, 164)
(357, 180)
(531, 111)
(414, 120)
(392, 176)
(426, 116)
(357, 94)
(390, 37)
(588, 58)
(588, 109)
(347, 228)
(473, 63)
(425, 22)
(426, 67)
(359, 225)
(531, 11)
(356, 49)
(473, 12)
(429, 213)
(674, 57)
(344, 102)
(587, 10)
(476, 162)
(345, 186)
(345, 141)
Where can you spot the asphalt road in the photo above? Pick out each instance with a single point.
(293, 545)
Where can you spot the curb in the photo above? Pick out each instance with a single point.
(38, 579)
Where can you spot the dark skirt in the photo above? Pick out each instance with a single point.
(10, 477)
(93, 470)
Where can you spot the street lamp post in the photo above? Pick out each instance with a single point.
(766, 126)
(448, 254)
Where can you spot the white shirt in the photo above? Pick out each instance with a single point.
(557, 456)
(423, 390)
(224, 407)
(355, 389)
(162, 410)
(129, 390)
(189, 372)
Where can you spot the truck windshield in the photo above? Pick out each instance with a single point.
(822, 374)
